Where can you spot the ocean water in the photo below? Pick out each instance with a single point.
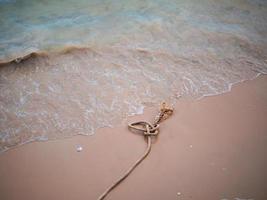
(70, 67)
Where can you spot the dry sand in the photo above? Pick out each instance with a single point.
(214, 148)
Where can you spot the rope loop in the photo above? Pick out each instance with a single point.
(146, 128)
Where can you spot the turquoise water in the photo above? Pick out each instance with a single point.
(97, 62)
(29, 25)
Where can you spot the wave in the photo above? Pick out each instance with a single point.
(71, 71)
(30, 54)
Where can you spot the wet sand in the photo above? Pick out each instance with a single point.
(214, 148)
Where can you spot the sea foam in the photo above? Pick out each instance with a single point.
(79, 66)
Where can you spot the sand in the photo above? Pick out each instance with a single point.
(213, 148)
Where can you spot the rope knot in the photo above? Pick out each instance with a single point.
(146, 128)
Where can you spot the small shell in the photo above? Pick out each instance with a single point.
(79, 148)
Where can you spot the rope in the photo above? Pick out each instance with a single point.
(148, 131)
(127, 173)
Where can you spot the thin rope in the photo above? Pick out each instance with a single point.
(127, 173)
(148, 131)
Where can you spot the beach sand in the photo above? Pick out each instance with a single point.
(213, 148)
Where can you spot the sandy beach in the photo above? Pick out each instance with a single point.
(213, 148)
(74, 74)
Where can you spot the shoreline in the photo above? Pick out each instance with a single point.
(141, 113)
(212, 148)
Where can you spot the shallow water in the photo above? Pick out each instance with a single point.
(98, 62)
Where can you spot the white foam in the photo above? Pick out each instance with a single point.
(135, 55)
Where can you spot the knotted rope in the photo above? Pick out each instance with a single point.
(148, 130)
